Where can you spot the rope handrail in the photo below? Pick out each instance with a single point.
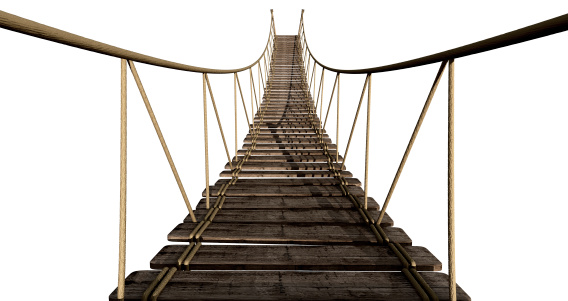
(535, 31)
(28, 27)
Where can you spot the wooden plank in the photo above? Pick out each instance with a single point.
(286, 166)
(285, 174)
(295, 257)
(289, 182)
(290, 152)
(291, 216)
(256, 159)
(353, 234)
(287, 140)
(287, 285)
(284, 131)
(289, 146)
(250, 202)
(298, 191)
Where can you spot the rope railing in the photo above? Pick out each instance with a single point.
(28, 27)
(542, 29)
(309, 65)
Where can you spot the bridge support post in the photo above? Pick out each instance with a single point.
(451, 233)
(122, 227)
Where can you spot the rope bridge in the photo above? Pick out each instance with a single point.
(287, 221)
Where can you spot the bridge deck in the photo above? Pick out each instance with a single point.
(295, 232)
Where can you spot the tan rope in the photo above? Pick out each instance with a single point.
(319, 90)
(253, 89)
(206, 136)
(218, 121)
(260, 80)
(161, 137)
(355, 121)
(451, 230)
(244, 106)
(367, 140)
(411, 142)
(330, 99)
(235, 88)
(337, 125)
(122, 226)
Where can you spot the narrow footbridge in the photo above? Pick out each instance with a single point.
(287, 220)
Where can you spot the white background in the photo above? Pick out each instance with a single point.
(60, 130)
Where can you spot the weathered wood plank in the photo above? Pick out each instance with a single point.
(291, 216)
(286, 166)
(289, 146)
(299, 191)
(285, 173)
(289, 182)
(288, 140)
(255, 159)
(295, 257)
(286, 285)
(353, 234)
(250, 202)
(287, 152)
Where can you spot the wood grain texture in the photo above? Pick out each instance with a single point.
(288, 146)
(285, 173)
(250, 202)
(286, 285)
(295, 257)
(291, 216)
(286, 166)
(288, 152)
(353, 234)
(329, 190)
(289, 182)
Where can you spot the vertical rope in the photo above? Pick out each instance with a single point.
(122, 227)
(412, 139)
(367, 140)
(235, 88)
(337, 125)
(161, 137)
(206, 143)
(451, 233)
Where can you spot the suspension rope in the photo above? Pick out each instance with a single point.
(122, 225)
(367, 140)
(409, 265)
(355, 121)
(451, 226)
(412, 139)
(218, 120)
(206, 135)
(330, 99)
(161, 137)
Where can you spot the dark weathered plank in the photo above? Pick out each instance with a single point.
(289, 146)
(288, 140)
(352, 234)
(287, 152)
(265, 190)
(285, 173)
(290, 182)
(250, 202)
(286, 285)
(291, 216)
(295, 257)
(255, 159)
(286, 166)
